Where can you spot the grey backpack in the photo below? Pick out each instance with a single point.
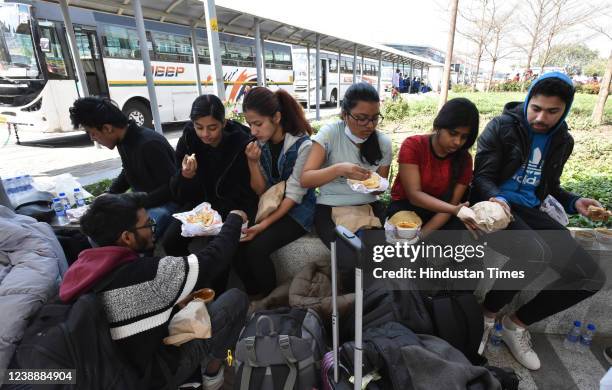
(280, 349)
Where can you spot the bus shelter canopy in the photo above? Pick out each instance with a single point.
(191, 13)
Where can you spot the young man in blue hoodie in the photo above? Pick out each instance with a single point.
(519, 161)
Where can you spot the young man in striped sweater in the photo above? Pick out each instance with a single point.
(140, 301)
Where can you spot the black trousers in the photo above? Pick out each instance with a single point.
(227, 316)
(253, 263)
(532, 242)
(580, 275)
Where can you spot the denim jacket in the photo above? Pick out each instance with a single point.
(290, 165)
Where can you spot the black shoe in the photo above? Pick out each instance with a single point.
(608, 354)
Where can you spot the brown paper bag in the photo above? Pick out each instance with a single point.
(355, 217)
(191, 322)
(270, 200)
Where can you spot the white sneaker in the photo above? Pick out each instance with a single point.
(213, 382)
(519, 343)
(489, 324)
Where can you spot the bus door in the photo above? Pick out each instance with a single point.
(324, 80)
(91, 58)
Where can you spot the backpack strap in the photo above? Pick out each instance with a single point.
(285, 348)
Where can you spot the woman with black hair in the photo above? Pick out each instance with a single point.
(214, 167)
(435, 169)
(348, 149)
(277, 155)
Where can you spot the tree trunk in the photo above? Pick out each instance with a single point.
(449, 55)
(604, 90)
(491, 76)
(478, 60)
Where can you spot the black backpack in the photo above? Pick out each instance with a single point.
(280, 349)
(381, 306)
(457, 318)
(76, 336)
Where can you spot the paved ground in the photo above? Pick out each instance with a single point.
(50, 155)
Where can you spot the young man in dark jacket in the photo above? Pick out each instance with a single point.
(147, 158)
(140, 301)
(518, 164)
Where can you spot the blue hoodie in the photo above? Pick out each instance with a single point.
(521, 187)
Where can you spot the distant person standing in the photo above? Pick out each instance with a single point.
(147, 158)
(395, 83)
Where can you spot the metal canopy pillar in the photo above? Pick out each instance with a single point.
(379, 72)
(318, 78)
(361, 70)
(265, 74)
(338, 95)
(258, 53)
(308, 75)
(354, 63)
(144, 52)
(196, 59)
(212, 31)
(410, 83)
(74, 48)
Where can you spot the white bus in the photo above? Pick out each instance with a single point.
(329, 92)
(37, 74)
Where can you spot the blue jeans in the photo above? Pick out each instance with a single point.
(162, 215)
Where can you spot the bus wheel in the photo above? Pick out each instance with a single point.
(333, 99)
(139, 113)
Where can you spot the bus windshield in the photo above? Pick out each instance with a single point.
(17, 58)
(300, 63)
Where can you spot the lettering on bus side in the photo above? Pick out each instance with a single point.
(166, 71)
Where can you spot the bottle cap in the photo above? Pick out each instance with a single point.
(498, 326)
(577, 324)
(77, 190)
(62, 194)
(56, 199)
(591, 327)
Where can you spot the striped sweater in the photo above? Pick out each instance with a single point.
(140, 301)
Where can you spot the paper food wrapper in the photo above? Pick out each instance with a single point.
(391, 226)
(197, 229)
(74, 215)
(191, 322)
(358, 186)
(490, 216)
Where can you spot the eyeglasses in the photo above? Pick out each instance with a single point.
(151, 224)
(364, 121)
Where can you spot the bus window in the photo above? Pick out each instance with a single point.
(83, 45)
(203, 53)
(238, 55)
(269, 58)
(333, 65)
(56, 65)
(171, 47)
(282, 58)
(121, 42)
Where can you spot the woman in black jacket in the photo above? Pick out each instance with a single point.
(214, 167)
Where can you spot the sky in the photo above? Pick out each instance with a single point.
(422, 22)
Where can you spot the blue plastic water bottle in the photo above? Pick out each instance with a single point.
(64, 200)
(78, 197)
(60, 211)
(587, 337)
(573, 337)
(496, 336)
